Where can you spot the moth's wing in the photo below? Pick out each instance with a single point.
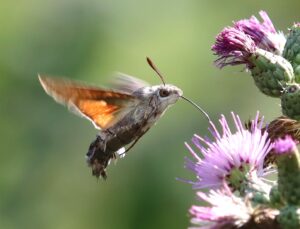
(127, 83)
(101, 106)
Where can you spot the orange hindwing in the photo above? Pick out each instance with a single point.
(101, 106)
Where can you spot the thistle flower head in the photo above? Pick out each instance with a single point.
(224, 211)
(231, 157)
(263, 33)
(284, 145)
(233, 47)
(236, 44)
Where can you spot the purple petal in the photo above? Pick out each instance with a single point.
(233, 47)
(284, 145)
(263, 33)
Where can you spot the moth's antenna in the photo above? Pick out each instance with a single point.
(156, 70)
(198, 107)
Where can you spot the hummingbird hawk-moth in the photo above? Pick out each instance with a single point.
(123, 114)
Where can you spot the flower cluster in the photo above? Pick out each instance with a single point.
(232, 167)
(232, 160)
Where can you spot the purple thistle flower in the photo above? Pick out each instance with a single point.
(234, 47)
(263, 33)
(224, 209)
(286, 145)
(231, 158)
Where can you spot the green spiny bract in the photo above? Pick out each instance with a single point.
(270, 72)
(292, 50)
(290, 101)
(289, 177)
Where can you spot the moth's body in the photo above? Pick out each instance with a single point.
(122, 116)
(131, 127)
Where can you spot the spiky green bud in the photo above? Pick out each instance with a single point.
(270, 72)
(289, 218)
(290, 101)
(289, 176)
(292, 50)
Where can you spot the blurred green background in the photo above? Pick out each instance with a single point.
(44, 180)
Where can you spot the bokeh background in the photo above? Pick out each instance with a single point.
(44, 180)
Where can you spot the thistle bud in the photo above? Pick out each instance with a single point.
(292, 50)
(270, 72)
(290, 101)
(288, 163)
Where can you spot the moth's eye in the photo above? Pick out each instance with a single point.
(164, 93)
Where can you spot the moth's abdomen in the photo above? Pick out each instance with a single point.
(103, 149)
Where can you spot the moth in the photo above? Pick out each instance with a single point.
(122, 115)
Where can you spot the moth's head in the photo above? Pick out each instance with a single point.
(167, 94)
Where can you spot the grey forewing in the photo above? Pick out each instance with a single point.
(127, 83)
